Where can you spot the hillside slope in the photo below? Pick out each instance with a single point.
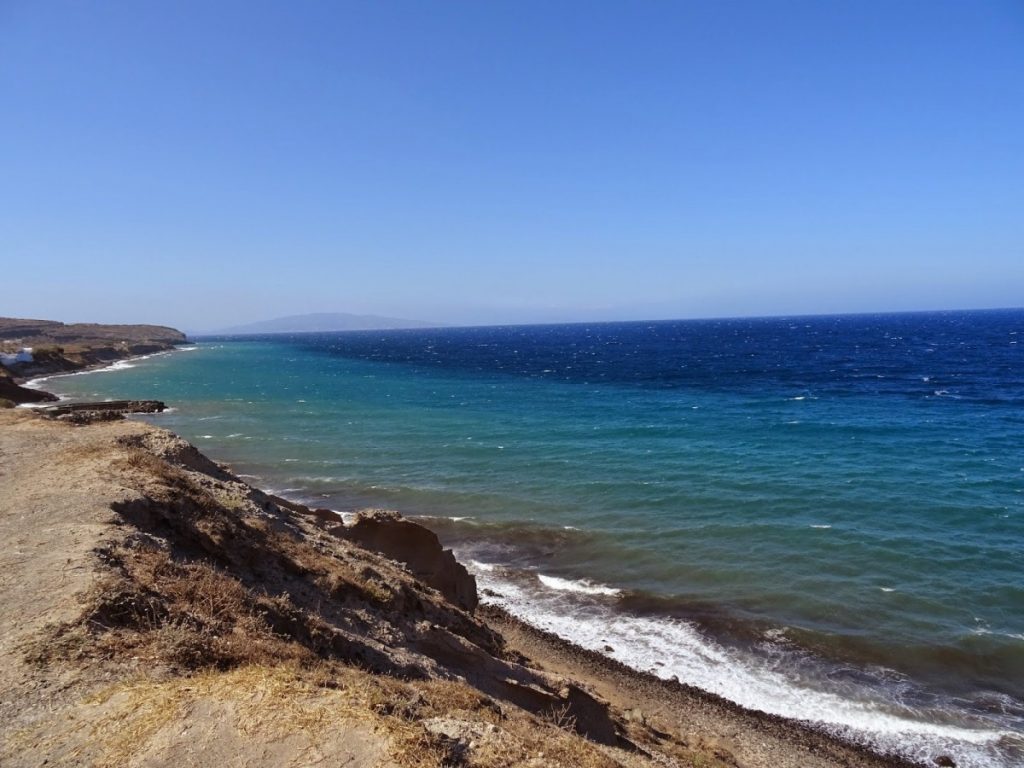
(153, 607)
(157, 611)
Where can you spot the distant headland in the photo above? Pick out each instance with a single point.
(31, 348)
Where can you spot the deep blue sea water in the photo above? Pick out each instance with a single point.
(820, 517)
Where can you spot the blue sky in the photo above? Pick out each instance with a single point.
(202, 164)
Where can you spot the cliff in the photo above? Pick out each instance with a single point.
(155, 610)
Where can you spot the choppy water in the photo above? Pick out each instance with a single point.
(817, 517)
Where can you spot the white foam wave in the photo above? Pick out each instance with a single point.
(43, 404)
(119, 365)
(821, 526)
(583, 586)
(671, 648)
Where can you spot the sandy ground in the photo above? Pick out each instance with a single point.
(54, 509)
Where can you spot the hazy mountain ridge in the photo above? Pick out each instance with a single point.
(322, 322)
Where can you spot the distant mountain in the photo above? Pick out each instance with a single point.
(322, 321)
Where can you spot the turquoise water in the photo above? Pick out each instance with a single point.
(811, 545)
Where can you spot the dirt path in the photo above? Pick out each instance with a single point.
(54, 510)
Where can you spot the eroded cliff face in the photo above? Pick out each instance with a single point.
(200, 583)
(417, 548)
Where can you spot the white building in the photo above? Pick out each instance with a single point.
(24, 355)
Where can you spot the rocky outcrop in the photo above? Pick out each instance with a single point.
(112, 406)
(11, 391)
(418, 548)
(339, 592)
(107, 410)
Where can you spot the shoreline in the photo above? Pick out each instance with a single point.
(647, 716)
(559, 651)
(723, 724)
(34, 381)
(671, 701)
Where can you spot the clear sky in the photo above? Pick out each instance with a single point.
(207, 163)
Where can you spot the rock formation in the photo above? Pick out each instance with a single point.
(418, 548)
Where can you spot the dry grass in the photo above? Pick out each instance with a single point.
(152, 471)
(262, 703)
(269, 703)
(188, 616)
(94, 451)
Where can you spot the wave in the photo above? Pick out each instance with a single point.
(778, 680)
(118, 365)
(583, 586)
(430, 518)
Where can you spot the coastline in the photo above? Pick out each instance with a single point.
(39, 349)
(35, 380)
(684, 725)
(727, 719)
(699, 717)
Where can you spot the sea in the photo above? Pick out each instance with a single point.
(815, 517)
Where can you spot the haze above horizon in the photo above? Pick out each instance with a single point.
(208, 165)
